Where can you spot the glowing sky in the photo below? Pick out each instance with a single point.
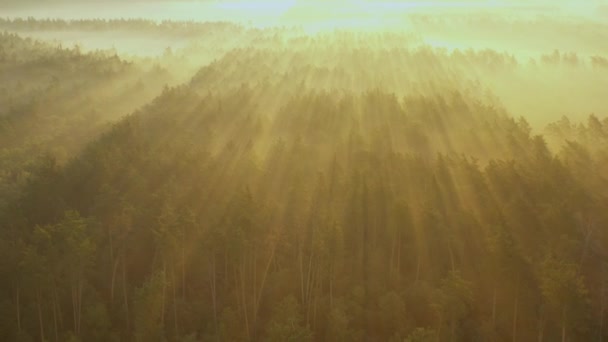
(270, 12)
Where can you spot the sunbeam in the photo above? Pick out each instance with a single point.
(303, 170)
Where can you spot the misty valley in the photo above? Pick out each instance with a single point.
(347, 170)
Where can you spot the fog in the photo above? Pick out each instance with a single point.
(306, 170)
(299, 12)
(258, 11)
(521, 27)
(525, 30)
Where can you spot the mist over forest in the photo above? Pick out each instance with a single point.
(303, 170)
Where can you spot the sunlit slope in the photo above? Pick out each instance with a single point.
(55, 100)
(584, 147)
(541, 89)
(356, 204)
(44, 81)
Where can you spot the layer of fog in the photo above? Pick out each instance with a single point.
(305, 12)
(125, 44)
(523, 29)
(509, 24)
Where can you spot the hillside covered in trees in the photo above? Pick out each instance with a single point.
(343, 185)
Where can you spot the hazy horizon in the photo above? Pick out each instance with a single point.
(281, 12)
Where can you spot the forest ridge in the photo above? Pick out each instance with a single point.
(441, 178)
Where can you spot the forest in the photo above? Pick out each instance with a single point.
(232, 181)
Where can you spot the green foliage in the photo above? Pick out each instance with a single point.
(96, 323)
(454, 301)
(422, 335)
(148, 309)
(260, 203)
(338, 324)
(566, 296)
(231, 328)
(286, 323)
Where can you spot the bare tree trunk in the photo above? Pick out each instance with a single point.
(331, 291)
(451, 256)
(80, 286)
(314, 303)
(399, 253)
(514, 331)
(564, 324)
(584, 252)
(115, 263)
(42, 339)
(255, 291)
(214, 294)
(225, 267)
(113, 280)
(440, 327)
(162, 304)
(452, 330)
(602, 307)
(175, 321)
(418, 267)
(391, 261)
(541, 328)
(60, 315)
(183, 273)
(111, 243)
(18, 300)
(73, 293)
(258, 298)
(55, 318)
(124, 292)
(494, 309)
(309, 282)
(244, 300)
(300, 257)
(76, 305)
(310, 295)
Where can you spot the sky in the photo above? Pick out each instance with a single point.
(264, 10)
(314, 15)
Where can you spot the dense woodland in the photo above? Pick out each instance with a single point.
(336, 187)
(55, 100)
